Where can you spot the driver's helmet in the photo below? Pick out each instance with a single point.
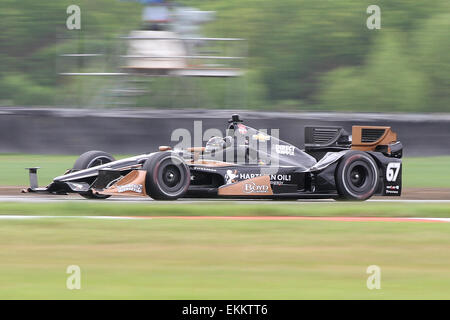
(218, 143)
(215, 144)
(228, 141)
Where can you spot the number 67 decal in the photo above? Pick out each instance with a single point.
(392, 171)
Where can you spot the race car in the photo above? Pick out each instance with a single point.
(246, 163)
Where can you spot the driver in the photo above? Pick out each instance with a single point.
(216, 144)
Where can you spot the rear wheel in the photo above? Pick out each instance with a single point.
(168, 176)
(356, 176)
(92, 159)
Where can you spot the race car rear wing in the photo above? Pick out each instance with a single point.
(321, 139)
(326, 137)
(376, 138)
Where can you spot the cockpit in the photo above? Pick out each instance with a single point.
(216, 144)
(248, 146)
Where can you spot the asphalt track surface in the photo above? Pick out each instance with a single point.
(236, 218)
(413, 196)
(33, 198)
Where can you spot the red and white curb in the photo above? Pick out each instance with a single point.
(235, 218)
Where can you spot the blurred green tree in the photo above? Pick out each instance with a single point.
(387, 82)
(303, 54)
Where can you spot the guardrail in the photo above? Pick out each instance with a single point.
(73, 131)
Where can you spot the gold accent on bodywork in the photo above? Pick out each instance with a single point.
(211, 163)
(133, 184)
(258, 186)
(196, 152)
(196, 149)
(386, 138)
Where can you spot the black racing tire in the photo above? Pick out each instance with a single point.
(168, 177)
(357, 176)
(91, 159)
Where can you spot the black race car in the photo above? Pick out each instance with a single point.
(247, 163)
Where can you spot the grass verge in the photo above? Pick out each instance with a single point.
(173, 259)
(365, 209)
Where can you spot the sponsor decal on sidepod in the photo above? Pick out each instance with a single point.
(273, 177)
(252, 187)
(130, 187)
(285, 149)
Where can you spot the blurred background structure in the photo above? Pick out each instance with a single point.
(160, 65)
(302, 55)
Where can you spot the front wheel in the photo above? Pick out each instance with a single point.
(356, 176)
(168, 177)
(92, 159)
